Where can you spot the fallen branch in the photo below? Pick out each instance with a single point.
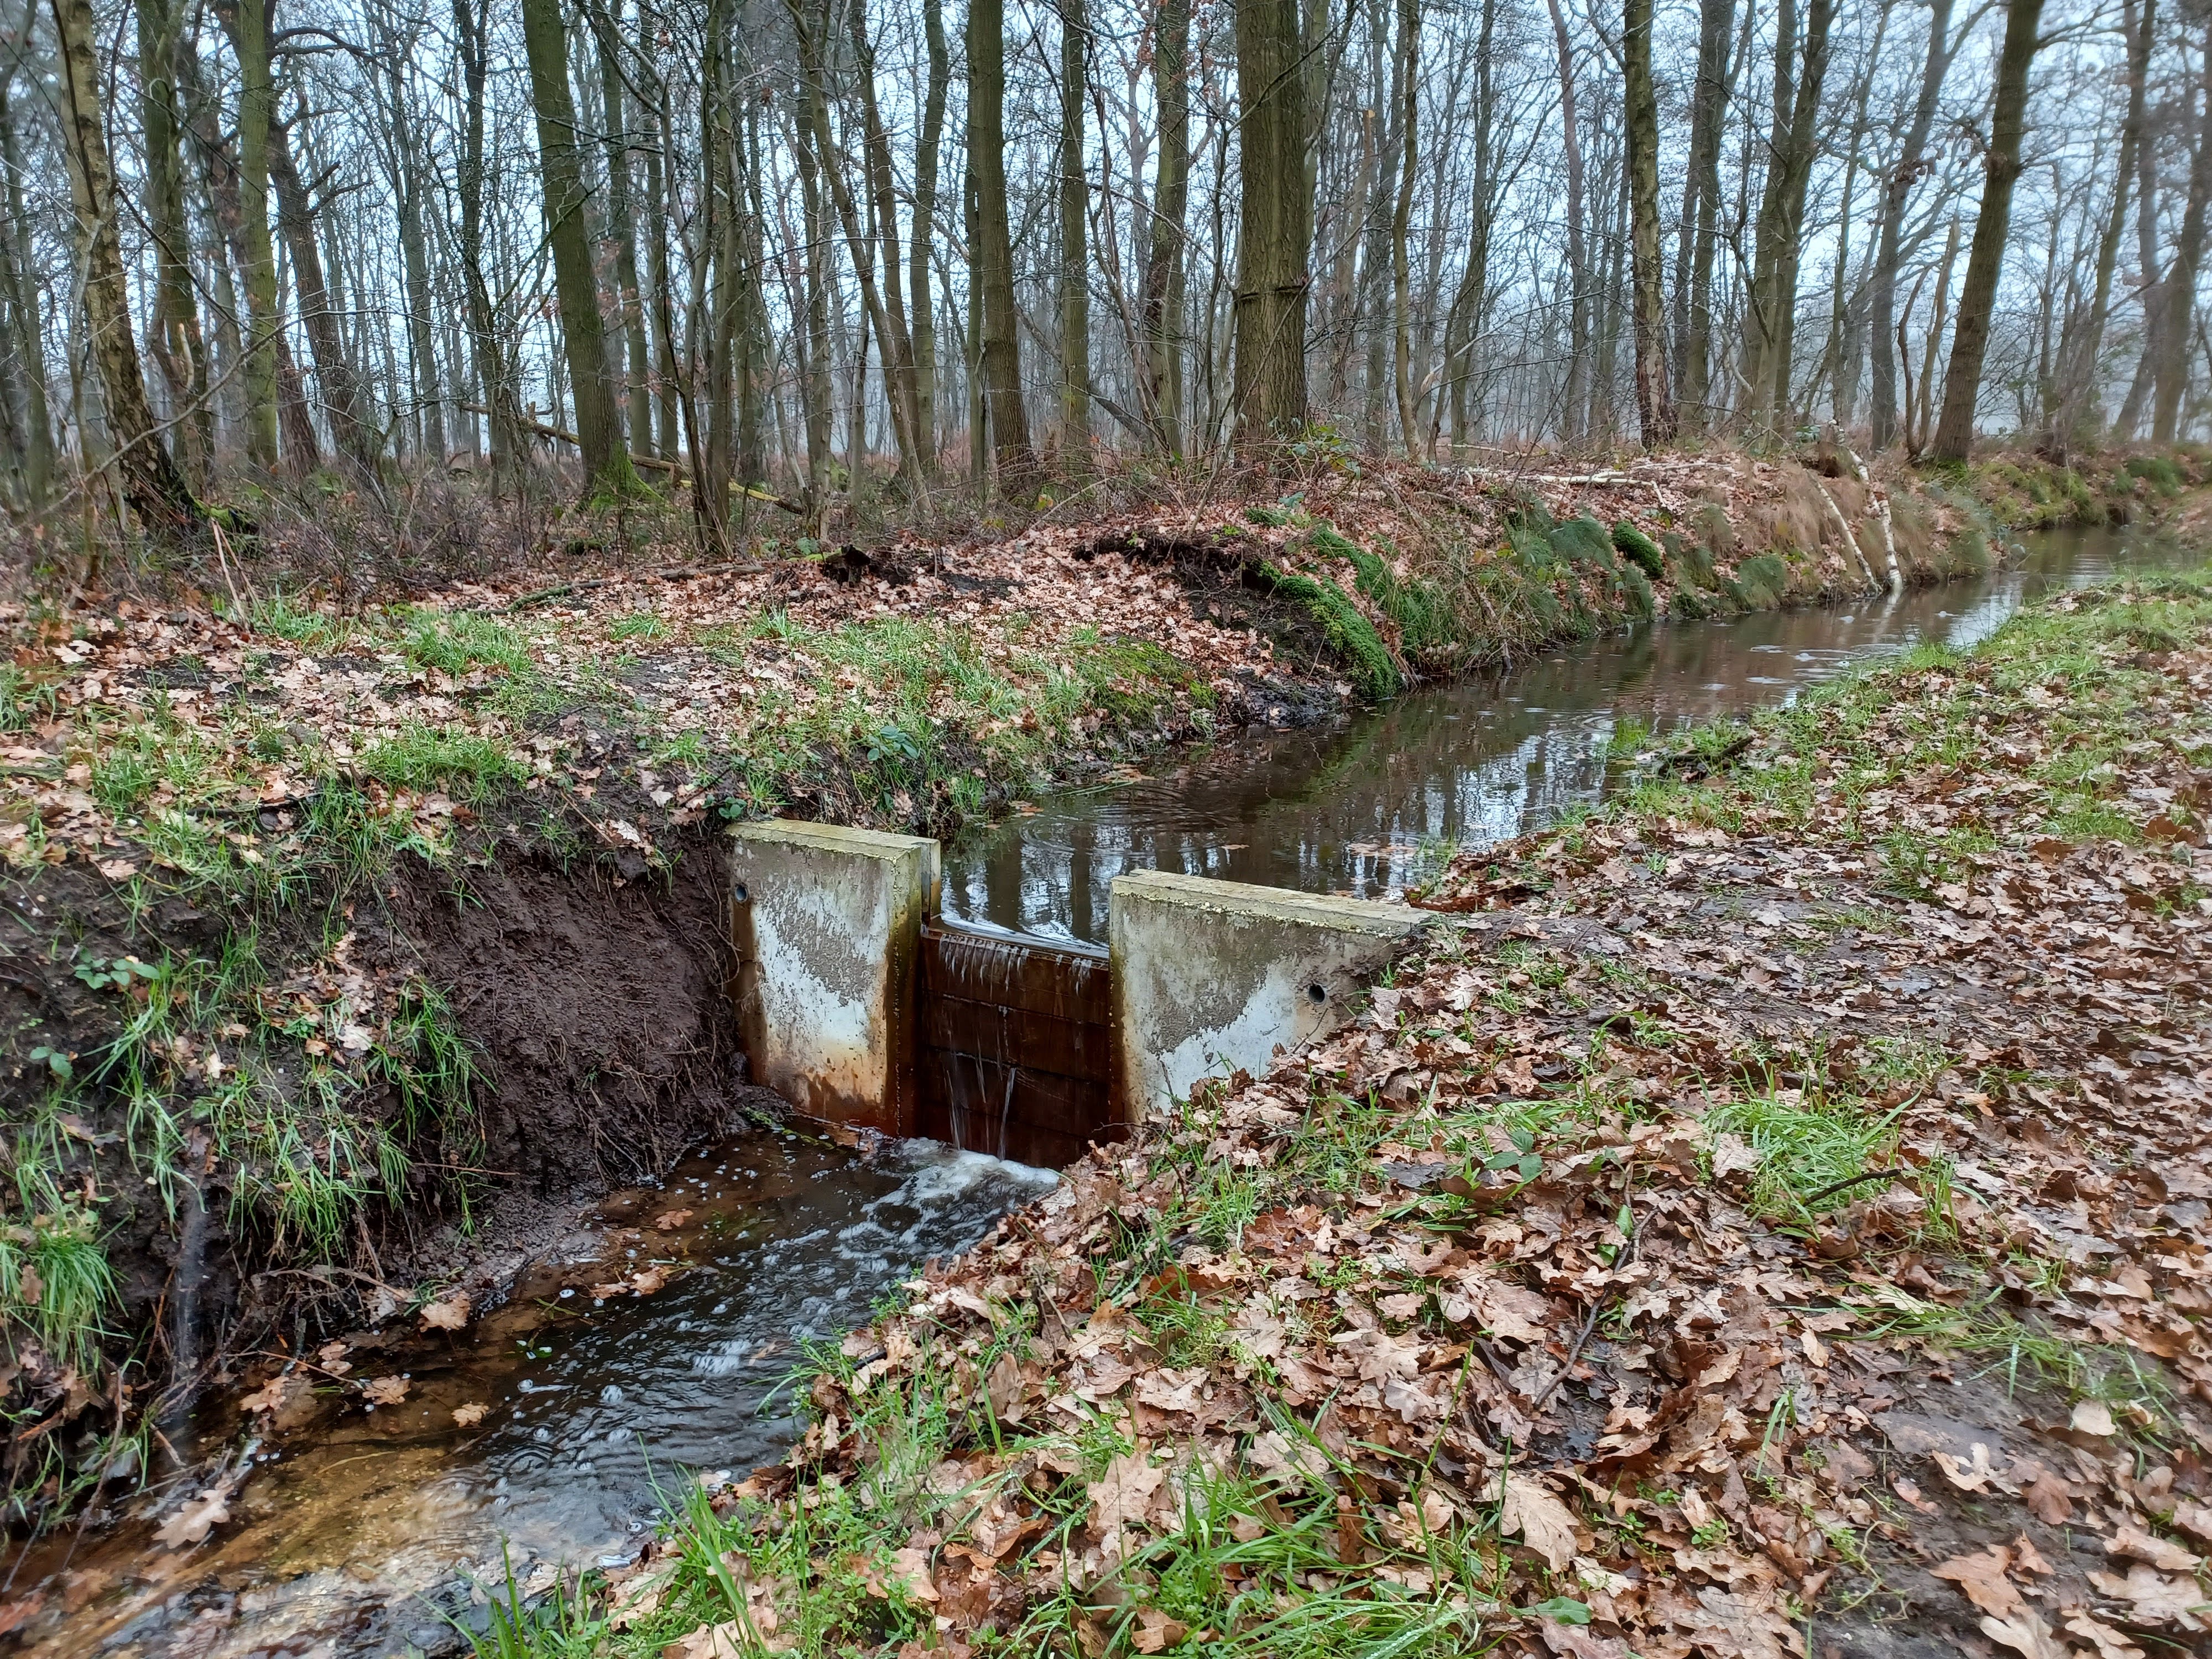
(674, 573)
(677, 477)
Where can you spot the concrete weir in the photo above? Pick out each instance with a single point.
(860, 1005)
(826, 926)
(1214, 976)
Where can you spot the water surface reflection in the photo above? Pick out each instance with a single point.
(1367, 807)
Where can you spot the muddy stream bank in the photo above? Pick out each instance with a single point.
(372, 1532)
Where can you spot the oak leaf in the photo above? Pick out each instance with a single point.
(191, 1524)
(1127, 1494)
(1982, 1577)
(1546, 1524)
(448, 1314)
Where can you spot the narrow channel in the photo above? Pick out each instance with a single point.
(1371, 805)
(382, 1533)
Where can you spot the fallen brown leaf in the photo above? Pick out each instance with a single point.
(449, 1314)
(191, 1524)
(1981, 1576)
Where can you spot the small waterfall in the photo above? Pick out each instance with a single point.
(1014, 1057)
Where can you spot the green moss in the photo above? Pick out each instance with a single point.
(1634, 587)
(1687, 604)
(1422, 615)
(1375, 671)
(1761, 582)
(1639, 550)
(1585, 542)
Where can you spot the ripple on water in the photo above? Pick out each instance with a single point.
(347, 1543)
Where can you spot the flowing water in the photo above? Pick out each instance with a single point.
(372, 1530)
(1370, 806)
(365, 1530)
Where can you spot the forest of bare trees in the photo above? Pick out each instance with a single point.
(773, 254)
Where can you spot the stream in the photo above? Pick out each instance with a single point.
(1370, 806)
(376, 1531)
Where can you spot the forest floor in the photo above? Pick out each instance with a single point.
(251, 1024)
(1768, 1217)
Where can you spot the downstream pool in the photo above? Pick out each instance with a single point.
(371, 1532)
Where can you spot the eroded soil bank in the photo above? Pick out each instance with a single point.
(1766, 1216)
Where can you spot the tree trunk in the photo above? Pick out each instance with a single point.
(152, 485)
(1402, 220)
(621, 227)
(1380, 185)
(488, 349)
(1654, 404)
(175, 331)
(888, 313)
(2177, 297)
(1277, 218)
(1962, 385)
(257, 101)
(716, 303)
(1881, 297)
(26, 342)
(598, 427)
(1701, 217)
(333, 370)
(667, 442)
(860, 237)
(2079, 363)
(1160, 306)
(815, 390)
(1837, 357)
(1577, 271)
(993, 252)
(922, 324)
(1075, 243)
(1470, 302)
(1770, 312)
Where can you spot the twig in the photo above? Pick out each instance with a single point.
(672, 573)
(1830, 1191)
(1589, 1324)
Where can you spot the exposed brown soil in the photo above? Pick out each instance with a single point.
(599, 1005)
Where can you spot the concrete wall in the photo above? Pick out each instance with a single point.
(1210, 977)
(826, 925)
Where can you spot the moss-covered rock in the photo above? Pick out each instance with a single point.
(1639, 550)
(1374, 671)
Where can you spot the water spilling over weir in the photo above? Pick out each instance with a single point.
(1016, 1053)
